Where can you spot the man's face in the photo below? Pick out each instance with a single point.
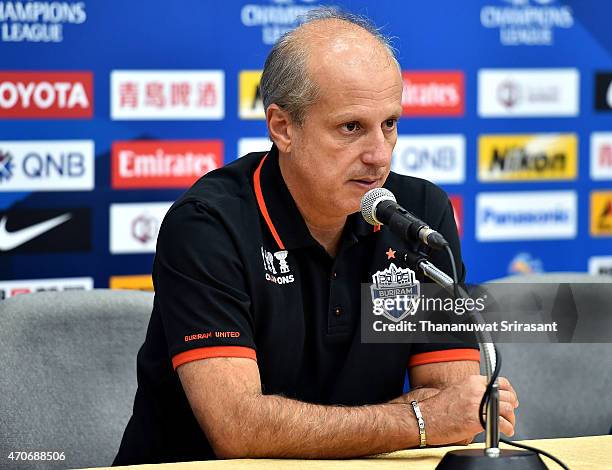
(344, 146)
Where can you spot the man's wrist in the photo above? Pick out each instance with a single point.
(420, 423)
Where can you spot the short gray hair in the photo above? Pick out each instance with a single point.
(285, 79)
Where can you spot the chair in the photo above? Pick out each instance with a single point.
(563, 388)
(68, 362)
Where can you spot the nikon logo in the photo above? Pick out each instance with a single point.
(527, 157)
(518, 159)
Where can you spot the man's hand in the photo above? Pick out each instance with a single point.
(451, 416)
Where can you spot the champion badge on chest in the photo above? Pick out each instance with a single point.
(276, 266)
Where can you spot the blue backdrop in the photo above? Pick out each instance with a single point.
(437, 36)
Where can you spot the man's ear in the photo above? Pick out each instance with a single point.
(280, 127)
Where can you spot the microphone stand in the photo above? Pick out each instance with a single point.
(492, 457)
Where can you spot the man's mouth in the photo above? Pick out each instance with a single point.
(366, 183)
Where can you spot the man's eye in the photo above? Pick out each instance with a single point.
(390, 123)
(351, 126)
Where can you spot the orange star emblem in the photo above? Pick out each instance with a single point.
(390, 253)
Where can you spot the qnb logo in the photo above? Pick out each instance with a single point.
(440, 158)
(46, 95)
(70, 165)
(271, 261)
(144, 228)
(46, 165)
(6, 166)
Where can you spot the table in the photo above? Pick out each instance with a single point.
(591, 452)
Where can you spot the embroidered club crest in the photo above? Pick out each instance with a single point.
(396, 283)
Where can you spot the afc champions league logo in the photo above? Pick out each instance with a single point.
(396, 289)
(276, 266)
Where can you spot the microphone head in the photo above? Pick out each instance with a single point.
(370, 200)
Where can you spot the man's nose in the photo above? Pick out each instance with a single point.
(376, 152)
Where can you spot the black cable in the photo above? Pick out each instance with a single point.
(489, 389)
(533, 449)
(454, 268)
(481, 412)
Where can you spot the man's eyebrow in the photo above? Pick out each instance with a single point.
(344, 116)
(352, 116)
(397, 113)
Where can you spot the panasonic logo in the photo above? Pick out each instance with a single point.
(526, 215)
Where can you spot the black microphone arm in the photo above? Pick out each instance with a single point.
(378, 206)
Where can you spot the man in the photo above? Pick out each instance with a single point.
(254, 339)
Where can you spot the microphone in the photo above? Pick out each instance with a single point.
(379, 207)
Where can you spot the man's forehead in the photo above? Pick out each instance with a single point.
(359, 78)
(332, 42)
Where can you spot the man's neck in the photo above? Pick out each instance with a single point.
(329, 238)
(327, 230)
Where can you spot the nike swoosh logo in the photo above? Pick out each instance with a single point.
(10, 240)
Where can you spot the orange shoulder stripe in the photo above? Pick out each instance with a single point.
(212, 351)
(447, 355)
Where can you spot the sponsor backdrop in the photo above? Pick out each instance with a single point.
(106, 118)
